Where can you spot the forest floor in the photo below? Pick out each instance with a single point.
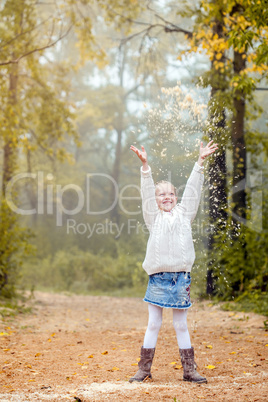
(85, 348)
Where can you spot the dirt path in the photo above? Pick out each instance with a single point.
(86, 347)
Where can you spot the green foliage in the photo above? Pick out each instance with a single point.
(241, 267)
(82, 272)
(14, 247)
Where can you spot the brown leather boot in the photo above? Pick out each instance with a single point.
(145, 363)
(188, 364)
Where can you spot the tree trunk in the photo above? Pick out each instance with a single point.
(217, 167)
(239, 149)
(9, 164)
(116, 174)
(9, 157)
(217, 204)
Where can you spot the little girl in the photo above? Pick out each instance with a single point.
(169, 258)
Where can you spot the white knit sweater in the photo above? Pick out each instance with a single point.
(170, 246)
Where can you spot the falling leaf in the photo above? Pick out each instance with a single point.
(3, 334)
(53, 334)
(210, 367)
(177, 367)
(90, 357)
(5, 350)
(28, 366)
(105, 353)
(49, 340)
(209, 346)
(85, 376)
(134, 364)
(232, 353)
(173, 363)
(37, 354)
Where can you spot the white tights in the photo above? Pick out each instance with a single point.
(154, 325)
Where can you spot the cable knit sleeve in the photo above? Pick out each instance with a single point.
(192, 192)
(149, 205)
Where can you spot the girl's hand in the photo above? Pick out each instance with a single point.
(204, 152)
(141, 154)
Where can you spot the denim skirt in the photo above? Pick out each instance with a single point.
(169, 289)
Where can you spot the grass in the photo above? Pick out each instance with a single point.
(17, 305)
(256, 302)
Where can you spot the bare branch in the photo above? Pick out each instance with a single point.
(24, 33)
(37, 49)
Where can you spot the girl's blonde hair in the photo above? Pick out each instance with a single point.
(166, 182)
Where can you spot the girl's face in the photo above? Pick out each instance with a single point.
(165, 196)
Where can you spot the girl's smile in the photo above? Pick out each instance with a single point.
(165, 196)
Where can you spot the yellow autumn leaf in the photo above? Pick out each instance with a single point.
(232, 353)
(115, 369)
(105, 352)
(209, 346)
(177, 367)
(3, 334)
(210, 367)
(37, 354)
(5, 350)
(134, 364)
(173, 363)
(90, 356)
